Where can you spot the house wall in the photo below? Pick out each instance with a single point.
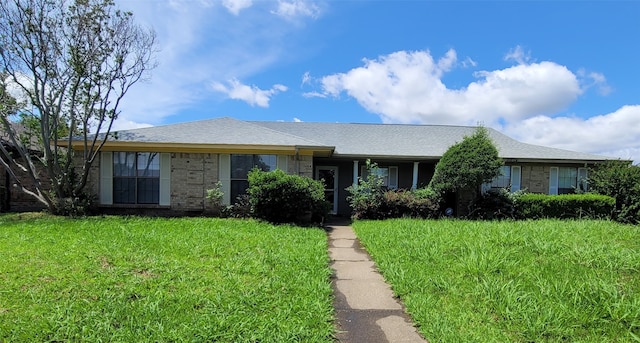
(191, 175)
(12, 198)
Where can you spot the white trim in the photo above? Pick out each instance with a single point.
(553, 180)
(414, 183)
(355, 173)
(224, 175)
(106, 178)
(281, 163)
(516, 176)
(164, 198)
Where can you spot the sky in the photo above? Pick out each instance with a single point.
(562, 74)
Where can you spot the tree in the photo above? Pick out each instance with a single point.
(72, 62)
(467, 165)
(620, 180)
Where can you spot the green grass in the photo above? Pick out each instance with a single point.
(523, 281)
(162, 280)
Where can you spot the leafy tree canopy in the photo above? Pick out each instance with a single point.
(467, 165)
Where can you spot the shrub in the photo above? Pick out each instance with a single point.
(587, 205)
(282, 198)
(467, 165)
(370, 200)
(215, 195)
(366, 197)
(495, 204)
(402, 203)
(620, 180)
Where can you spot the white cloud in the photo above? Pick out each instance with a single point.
(296, 120)
(594, 79)
(615, 134)
(523, 100)
(252, 95)
(519, 55)
(235, 6)
(407, 87)
(297, 8)
(198, 42)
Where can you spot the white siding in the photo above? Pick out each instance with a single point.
(106, 178)
(165, 179)
(225, 177)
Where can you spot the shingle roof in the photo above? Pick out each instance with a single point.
(214, 131)
(348, 140)
(426, 141)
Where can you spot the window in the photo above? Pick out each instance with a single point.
(389, 176)
(136, 178)
(509, 178)
(566, 180)
(241, 165)
(504, 179)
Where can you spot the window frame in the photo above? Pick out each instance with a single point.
(136, 178)
(389, 175)
(235, 179)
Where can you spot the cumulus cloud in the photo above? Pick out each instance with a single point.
(297, 120)
(252, 95)
(523, 100)
(235, 6)
(297, 8)
(615, 134)
(407, 87)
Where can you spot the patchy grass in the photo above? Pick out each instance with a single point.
(523, 281)
(162, 280)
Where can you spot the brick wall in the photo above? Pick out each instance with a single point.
(535, 178)
(191, 175)
(301, 165)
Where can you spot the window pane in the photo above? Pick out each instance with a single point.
(148, 190)
(148, 164)
(124, 190)
(504, 179)
(567, 180)
(240, 166)
(265, 162)
(124, 163)
(238, 187)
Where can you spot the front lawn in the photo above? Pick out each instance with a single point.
(522, 281)
(162, 280)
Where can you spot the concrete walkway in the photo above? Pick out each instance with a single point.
(366, 310)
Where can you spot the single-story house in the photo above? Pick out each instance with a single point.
(168, 169)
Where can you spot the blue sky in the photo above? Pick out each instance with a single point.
(555, 73)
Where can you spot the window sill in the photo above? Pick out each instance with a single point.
(142, 206)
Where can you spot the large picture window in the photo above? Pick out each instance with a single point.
(136, 178)
(241, 165)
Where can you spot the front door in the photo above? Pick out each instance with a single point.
(330, 177)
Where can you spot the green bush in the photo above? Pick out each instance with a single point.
(587, 205)
(467, 165)
(402, 203)
(621, 180)
(495, 204)
(282, 198)
(370, 200)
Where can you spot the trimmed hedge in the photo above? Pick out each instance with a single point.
(279, 197)
(588, 205)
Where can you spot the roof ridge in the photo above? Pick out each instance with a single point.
(254, 123)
